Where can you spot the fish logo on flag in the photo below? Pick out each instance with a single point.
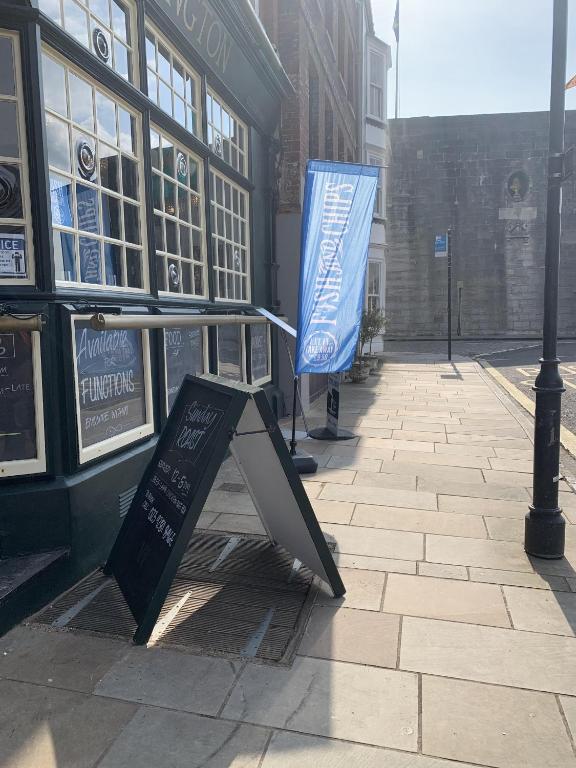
(336, 223)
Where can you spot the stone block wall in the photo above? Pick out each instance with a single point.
(485, 177)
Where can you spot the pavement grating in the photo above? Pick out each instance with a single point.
(233, 596)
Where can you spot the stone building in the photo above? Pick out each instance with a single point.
(485, 176)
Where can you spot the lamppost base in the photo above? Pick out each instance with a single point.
(544, 533)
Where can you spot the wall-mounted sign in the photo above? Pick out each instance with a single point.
(259, 352)
(441, 246)
(17, 398)
(184, 353)
(518, 185)
(13, 255)
(111, 382)
(209, 417)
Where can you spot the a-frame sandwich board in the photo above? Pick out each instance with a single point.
(210, 416)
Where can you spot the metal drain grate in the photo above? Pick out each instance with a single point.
(233, 596)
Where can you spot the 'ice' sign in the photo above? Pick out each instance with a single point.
(12, 256)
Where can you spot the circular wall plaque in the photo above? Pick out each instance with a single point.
(174, 274)
(101, 47)
(86, 159)
(181, 165)
(518, 185)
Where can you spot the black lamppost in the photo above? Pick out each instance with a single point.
(544, 526)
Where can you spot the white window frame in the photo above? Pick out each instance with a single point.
(205, 362)
(244, 377)
(96, 451)
(22, 162)
(377, 83)
(141, 202)
(380, 264)
(213, 129)
(268, 377)
(215, 237)
(196, 108)
(94, 21)
(164, 254)
(38, 464)
(378, 161)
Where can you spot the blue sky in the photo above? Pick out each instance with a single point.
(473, 56)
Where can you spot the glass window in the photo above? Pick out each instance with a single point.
(172, 85)
(21, 415)
(227, 134)
(379, 200)
(184, 352)
(230, 239)
(260, 353)
(178, 217)
(373, 289)
(102, 26)
(376, 95)
(231, 352)
(113, 388)
(16, 261)
(94, 157)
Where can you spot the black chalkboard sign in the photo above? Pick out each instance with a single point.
(208, 417)
(259, 351)
(171, 496)
(184, 353)
(111, 382)
(17, 399)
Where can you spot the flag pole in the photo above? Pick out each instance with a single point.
(396, 109)
(396, 28)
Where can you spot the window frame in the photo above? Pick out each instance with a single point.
(268, 378)
(213, 95)
(36, 466)
(379, 263)
(133, 48)
(141, 202)
(165, 255)
(205, 362)
(198, 109)
(214, 237)
(374, 83)
(113, 444)
(244, 377)
(22, 162)
(377, 161)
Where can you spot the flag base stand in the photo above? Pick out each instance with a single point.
(304, 463)
(323, 433)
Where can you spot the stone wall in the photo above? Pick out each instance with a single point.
(484, 176)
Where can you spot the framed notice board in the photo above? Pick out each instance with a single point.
(208, 417)
(22, 448)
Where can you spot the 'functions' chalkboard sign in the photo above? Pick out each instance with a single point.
(111, 382)
(171, 495)
(184, 353)
(17, 398)
(259, 352)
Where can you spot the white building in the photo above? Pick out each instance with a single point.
(376, 151)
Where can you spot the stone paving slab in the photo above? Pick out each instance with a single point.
(465, 505)
(495, 726)
(168, 678)
(440, 473)
(344, 701)
(402, 481)
(531, 580)
(390, 497)
(44, 727)
(364, 590)
(440, 571)
(354, 463)
(478, 490)
(419, 520)
(440, 459)
(361, 637)
(508, 657)
(499, 555)
(367, 563)
(542, 611)
(465, 450)
(446, 599)
(373, 542)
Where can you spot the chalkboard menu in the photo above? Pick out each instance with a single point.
(171, 495)
(17, 397)
(259, 352)
(111, 382)
(184, 353)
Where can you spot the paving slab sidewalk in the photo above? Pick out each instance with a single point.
(451, 648)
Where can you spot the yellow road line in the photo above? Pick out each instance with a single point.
(567, 438)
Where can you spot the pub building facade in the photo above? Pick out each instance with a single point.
(138, 159)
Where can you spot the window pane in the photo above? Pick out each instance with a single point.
(127, 130)
(109, 163)
(87, 209)
(113, 262)
(8, 129)
(81, 104)
(58, 142)
(230, 352)
(90, 267)
(7, 81)
(10, 192)
(134, 269)
(64, 258)
(106, 118)
(121, 60)
(76, 22)
(120, 22)
(54, 83)
(111, 217)
(61, 200)
(131, 223)
(130, 177)
(101, 9)
(184, 351)
(164, 63)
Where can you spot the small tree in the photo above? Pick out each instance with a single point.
(373, 323)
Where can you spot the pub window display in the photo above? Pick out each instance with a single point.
(112, 376)
(227, 134)
(94, 157)
(230, 239)
(260, 353)
(231, 352)
(15, 231)
(184, 352)
(172, 85)
(177, 179)
(103, 26)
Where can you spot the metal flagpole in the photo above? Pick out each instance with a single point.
(396, 28)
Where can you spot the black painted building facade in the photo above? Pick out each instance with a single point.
(137, 169)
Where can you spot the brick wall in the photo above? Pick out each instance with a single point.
(484, 175)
